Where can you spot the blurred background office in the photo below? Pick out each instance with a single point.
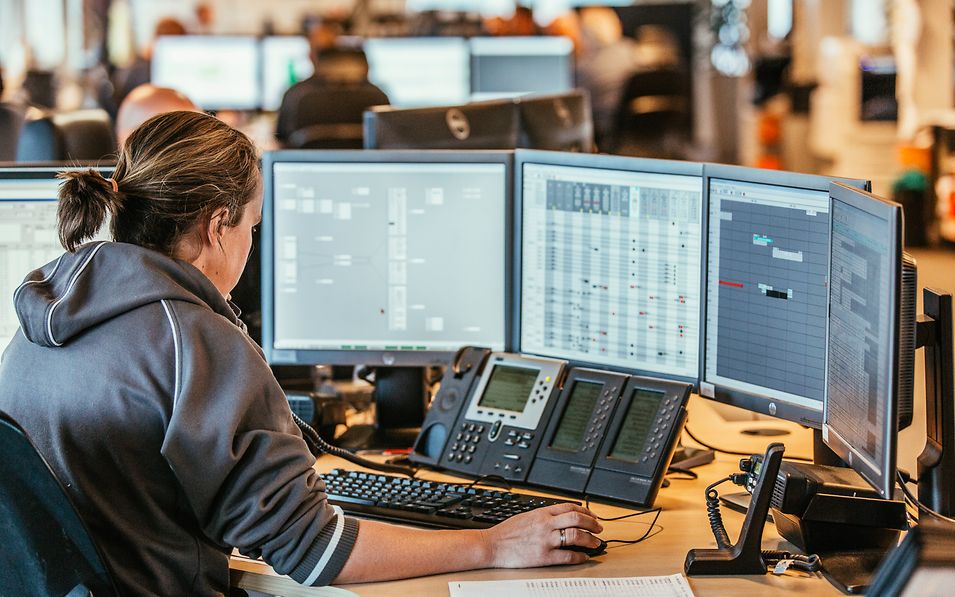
(838, 87)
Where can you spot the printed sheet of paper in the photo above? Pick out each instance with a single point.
(646, 586)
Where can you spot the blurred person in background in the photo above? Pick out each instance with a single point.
(333, 66)
(139, 72)
(147, 101)
(605, 62)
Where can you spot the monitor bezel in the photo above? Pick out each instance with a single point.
(601, 162)
(396, 358)
(750, 401)
(883, 480)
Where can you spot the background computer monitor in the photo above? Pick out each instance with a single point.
(864, 299)
(509, 66)
(28, 233)
(420, 71)
(608, 258)
(480, 125)
(560, 122)
(384, 258)
(215, 72)
(285, 61)
(767, 247)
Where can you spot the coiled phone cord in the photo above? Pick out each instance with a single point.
(810, 563)
(319, 446)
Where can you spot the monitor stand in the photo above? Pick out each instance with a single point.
(400, 395)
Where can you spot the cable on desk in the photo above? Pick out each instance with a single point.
(734, 453)
(653, 524)
(922, 507)
(676, 470)
(319, 446)
(484, 478)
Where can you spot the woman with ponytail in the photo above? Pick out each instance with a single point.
(135, 380)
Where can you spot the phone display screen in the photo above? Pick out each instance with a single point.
(636, 425)
(509, 388)
(573, 423)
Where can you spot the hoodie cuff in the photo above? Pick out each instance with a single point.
(328, 553)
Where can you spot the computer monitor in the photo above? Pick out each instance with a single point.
(481, 125)
(28, 233)
(215, 72)
(860, 416)
(285, 61)
(420, 71)
(561, 122)
(608, 259)
(384, 258)
(767, 247)
(511, 66)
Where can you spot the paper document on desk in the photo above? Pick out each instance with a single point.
(632, 586)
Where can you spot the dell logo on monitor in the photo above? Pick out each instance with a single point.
(458, 124)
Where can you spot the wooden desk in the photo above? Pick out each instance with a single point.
(683, 525)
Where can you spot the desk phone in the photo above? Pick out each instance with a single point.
(535, 421)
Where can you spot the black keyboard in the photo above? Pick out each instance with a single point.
(426, 503)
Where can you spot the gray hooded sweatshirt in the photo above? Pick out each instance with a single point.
(165, 424)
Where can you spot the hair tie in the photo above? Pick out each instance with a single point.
(114, 183)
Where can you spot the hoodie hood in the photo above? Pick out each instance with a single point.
(103, 280)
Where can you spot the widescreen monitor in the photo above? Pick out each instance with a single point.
(420, 71)
(609, 258)
(511, 66)
(215, 72)
(865, 288)
(767, 247)
(28, 233)
(384, 258)
(285, 62)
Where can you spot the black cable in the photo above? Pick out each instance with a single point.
(810, 563)
(625, 516)
(922, 507)
(676, 470)
(650, 528)
(324, 447)
(715, 516)
(734, 453)
(483, 478)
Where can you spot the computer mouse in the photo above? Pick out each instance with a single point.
(590, 551)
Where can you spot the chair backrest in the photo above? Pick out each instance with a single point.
(85, 135)
(11, 121)
(330, 116)
(47, 549)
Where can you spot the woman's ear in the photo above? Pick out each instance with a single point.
(215, 227)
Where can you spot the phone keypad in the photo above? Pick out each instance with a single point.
(661, 428)
(466, 442)
(599, 418)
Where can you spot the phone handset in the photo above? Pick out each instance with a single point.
(456, 386)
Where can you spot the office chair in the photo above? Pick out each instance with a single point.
(85, 135)
(330, 116)
(11, 122)
(653, 115)
(47, 549)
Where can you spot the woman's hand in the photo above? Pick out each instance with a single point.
(533, 538)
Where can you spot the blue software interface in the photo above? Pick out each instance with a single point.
(767, 262)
